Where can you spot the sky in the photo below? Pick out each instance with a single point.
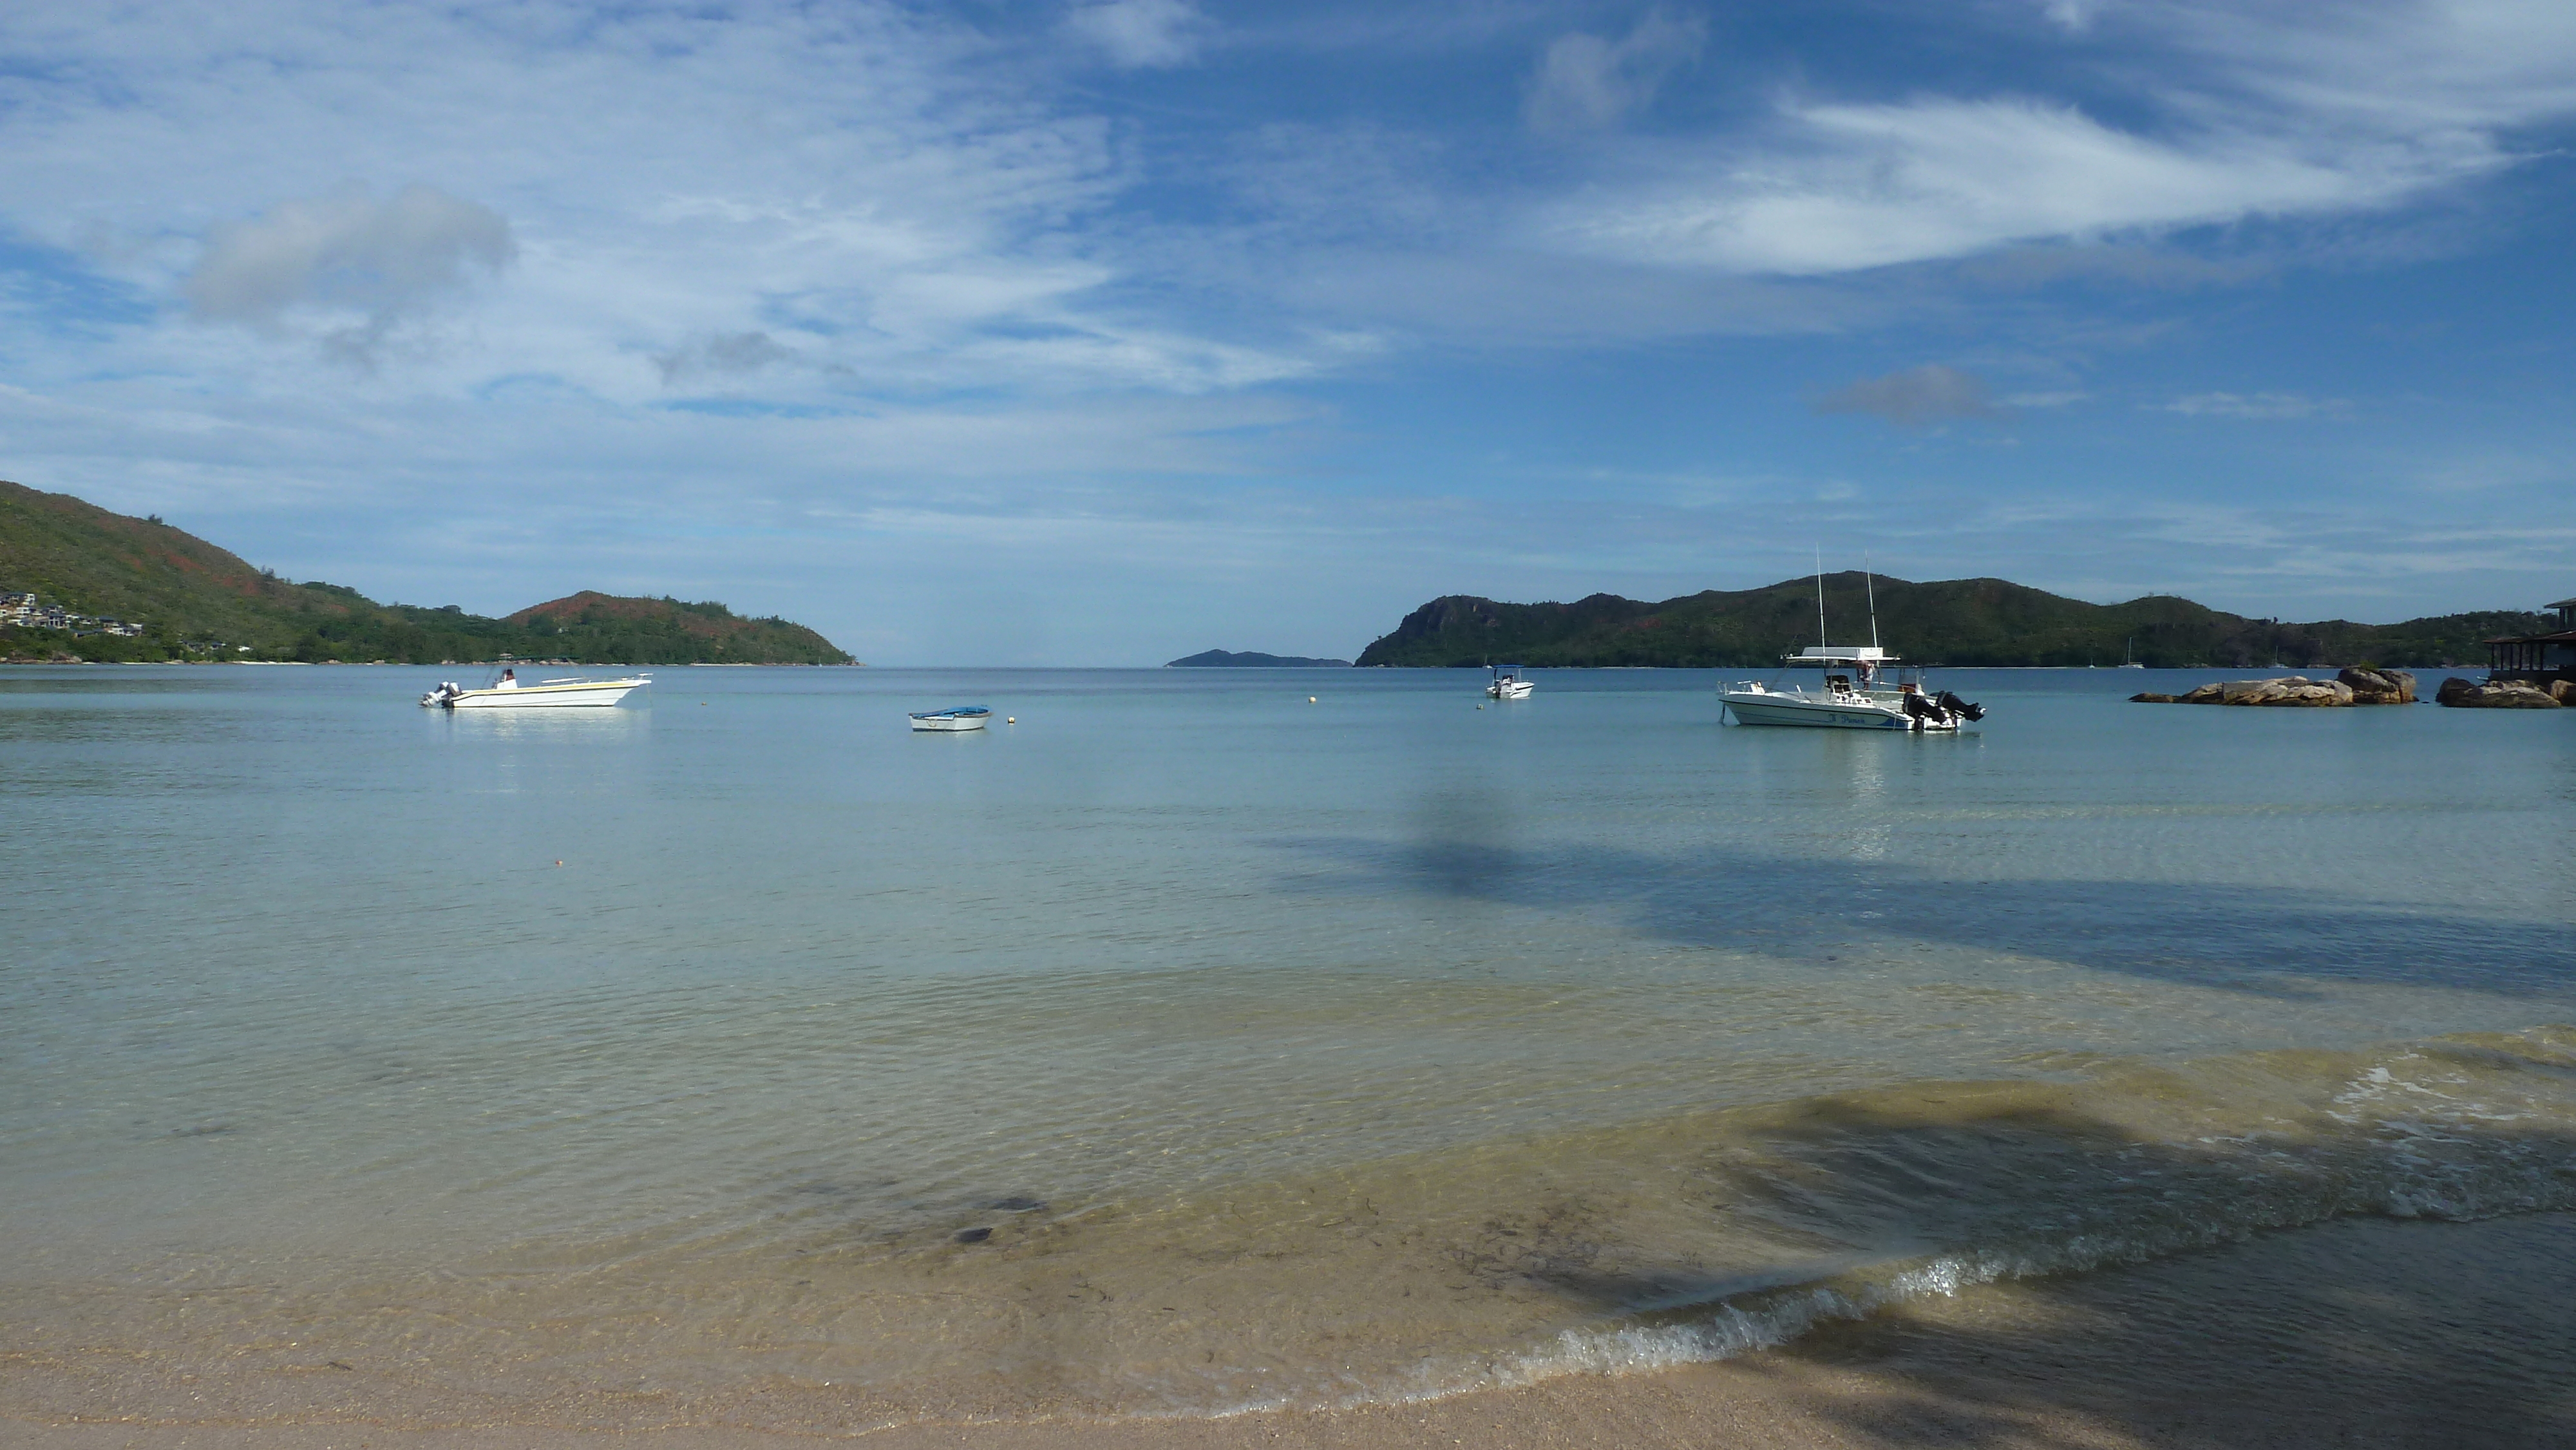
(1099, 333)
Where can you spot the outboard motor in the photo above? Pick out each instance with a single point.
(1961, 708)
(1920, 710)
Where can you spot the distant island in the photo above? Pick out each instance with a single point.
(80, 583)
(1252, 660)
(1961, 622)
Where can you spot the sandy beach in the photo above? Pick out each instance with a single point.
(2363, 1332)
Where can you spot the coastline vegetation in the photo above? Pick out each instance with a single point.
(1958, 622)
(196, 601)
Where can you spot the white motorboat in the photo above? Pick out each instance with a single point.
(960, 717)
(1508, 683)
(1842, 705)
(508, 694)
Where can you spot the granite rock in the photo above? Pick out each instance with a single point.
(2379, 687)
(2494, 695)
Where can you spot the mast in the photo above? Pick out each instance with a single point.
(1869, 581)
(1821, 641)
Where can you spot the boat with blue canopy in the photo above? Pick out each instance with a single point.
(955, 717)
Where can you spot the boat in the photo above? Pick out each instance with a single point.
(2130, 660)
(507, 693)
(1841, 704)
(956, 717)
(1508, 683)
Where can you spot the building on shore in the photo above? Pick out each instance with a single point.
(2550, 656)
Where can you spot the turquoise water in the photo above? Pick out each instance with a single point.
(1386, 1041)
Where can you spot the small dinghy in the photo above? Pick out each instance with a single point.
(959, 717)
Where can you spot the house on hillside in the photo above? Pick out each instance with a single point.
(2537, 656)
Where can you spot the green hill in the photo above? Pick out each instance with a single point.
(1251, 659)
(1960, 622)
(193, 600)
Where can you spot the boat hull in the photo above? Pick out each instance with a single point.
(949, 724)
(548, 697)
(1509, 690)
(1769, 708)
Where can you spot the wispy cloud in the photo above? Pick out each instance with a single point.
(1141, 33)
(2059, 398)
(362, 264)
(730, 354)
(2258, 405)
(1848, 187)
(1585, 82)
(2238, 114)
(1914, 398)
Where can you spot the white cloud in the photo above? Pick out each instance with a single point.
(1851, 187)
(2072, 15)
(1139, 34)
(729, 354)
(2258, 405)
(2294, 112)
(349, 256)
(1914, 398)
(1584, 82)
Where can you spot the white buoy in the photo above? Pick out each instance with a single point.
(1310, 699)
(1010, 719)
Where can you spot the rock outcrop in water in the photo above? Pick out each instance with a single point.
(2351, 687)
(2379, 687)
(2503, 694)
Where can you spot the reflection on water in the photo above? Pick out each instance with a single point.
(1374, 1043)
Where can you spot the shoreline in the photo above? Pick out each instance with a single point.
(2356, 1332)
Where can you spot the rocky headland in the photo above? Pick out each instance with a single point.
(1252, 660)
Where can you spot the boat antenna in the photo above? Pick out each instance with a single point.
(1869, 581)
(1820, 599)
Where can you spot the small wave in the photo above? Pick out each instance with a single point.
(2458, 1129)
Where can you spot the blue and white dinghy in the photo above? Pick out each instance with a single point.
(956, 717)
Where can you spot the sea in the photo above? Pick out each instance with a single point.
(1195, 1041)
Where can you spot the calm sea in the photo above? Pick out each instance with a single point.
(1203, 1039)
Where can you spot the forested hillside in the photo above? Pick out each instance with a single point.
(1962, 622)
(193, 600)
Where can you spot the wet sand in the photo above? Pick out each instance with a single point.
(2364, 1332)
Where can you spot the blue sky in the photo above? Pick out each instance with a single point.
(1100, 333)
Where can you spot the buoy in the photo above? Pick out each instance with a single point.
(1010, 719)
(1310, 699)
(558, 863)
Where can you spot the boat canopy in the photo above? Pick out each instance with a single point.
(1840, 654)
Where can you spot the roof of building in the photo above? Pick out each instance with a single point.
(2564, 636)
(2561, 604)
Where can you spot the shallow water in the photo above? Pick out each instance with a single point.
(1189, 1044)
